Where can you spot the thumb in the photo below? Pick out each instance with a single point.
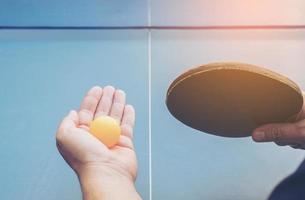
(71, 120)
(277, 132)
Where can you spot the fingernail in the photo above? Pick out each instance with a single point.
(259, 136)
(72, 112)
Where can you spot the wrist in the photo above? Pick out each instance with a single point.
(102, 171)
(105, 182)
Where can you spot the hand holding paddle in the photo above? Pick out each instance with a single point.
(232, 99)
(292, 134)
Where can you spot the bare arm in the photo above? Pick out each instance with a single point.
(97, 183)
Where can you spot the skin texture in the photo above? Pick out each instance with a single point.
(292, 134)
(103, 173)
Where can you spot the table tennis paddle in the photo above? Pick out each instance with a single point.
(231, 99)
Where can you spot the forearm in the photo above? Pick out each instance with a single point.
(106, 184)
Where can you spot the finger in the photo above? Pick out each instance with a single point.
(118, 105)
(125, 141)
(89, 105)
(105, 103)
(128, 121)
(288, 132)
(70, 121)
(301, 114)
(129, 116)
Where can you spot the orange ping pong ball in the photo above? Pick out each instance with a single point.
(106, 129)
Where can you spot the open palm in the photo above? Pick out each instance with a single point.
(81, 149)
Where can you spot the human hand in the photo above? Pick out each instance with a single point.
(292, 134)
(88, 157)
